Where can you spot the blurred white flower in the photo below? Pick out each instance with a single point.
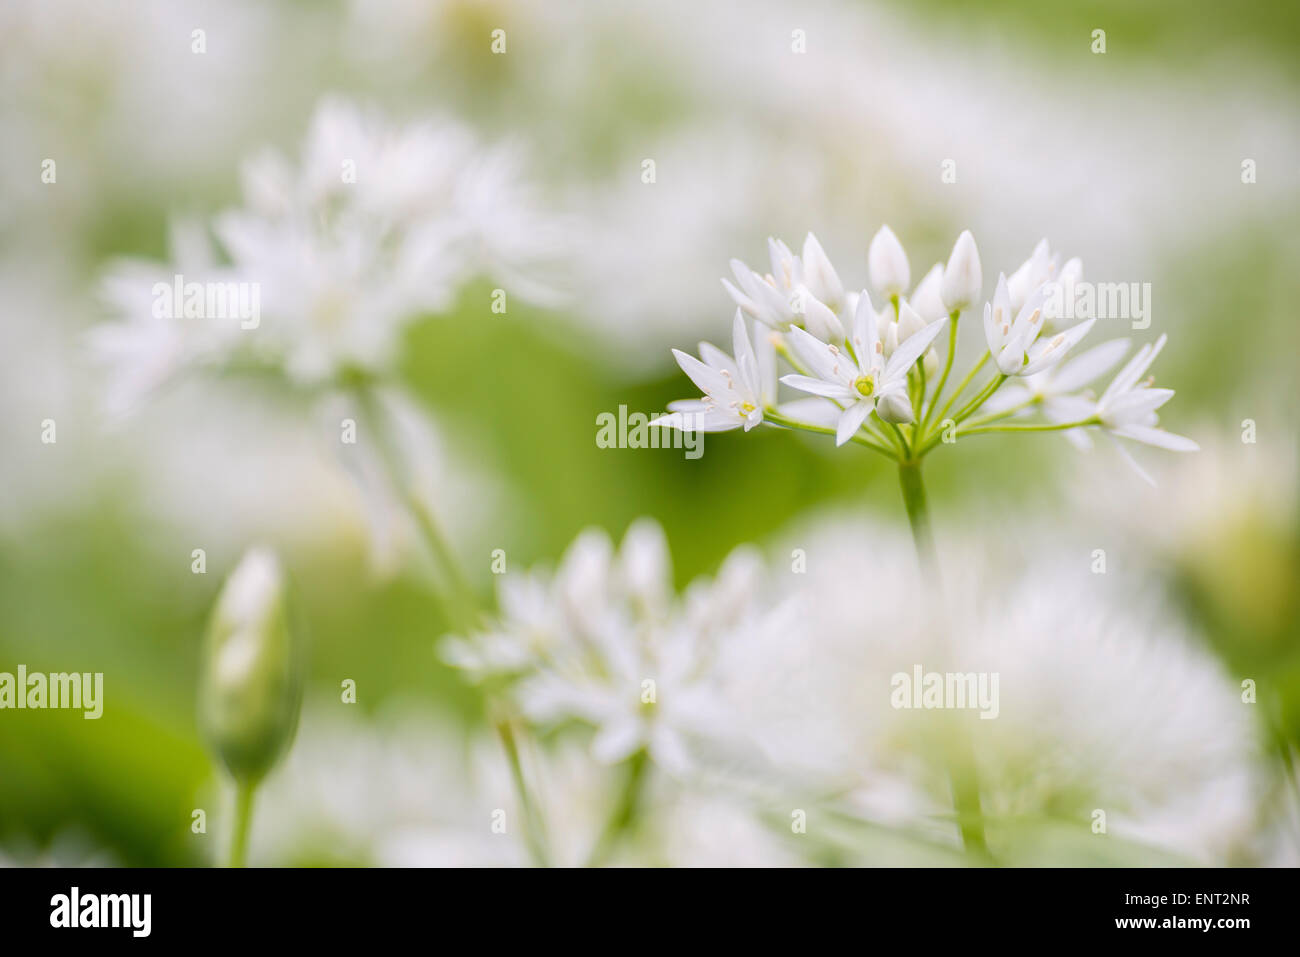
(375, 226)
(1106, 701)
(604, 641)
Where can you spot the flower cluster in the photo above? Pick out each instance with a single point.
(604, 641)
(375, 226)
(874, 374)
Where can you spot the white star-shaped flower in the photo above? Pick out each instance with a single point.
(860, 379)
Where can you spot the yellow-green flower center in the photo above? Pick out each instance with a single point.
(865, 385)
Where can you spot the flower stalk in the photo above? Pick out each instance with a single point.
(962, 771)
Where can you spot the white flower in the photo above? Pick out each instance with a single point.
(887, 263)
(860, 381)
(772, 299)
(819, 319)
(732, 387)
(605, 643)
(1033, 272)
(963, 277)
(910, 322)
(1077, 656)
(1127, 408)
(1014, 344)
(374, 226)
(819, 276)
(1053, 390)
(927, 298)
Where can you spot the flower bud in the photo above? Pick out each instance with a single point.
(909, 322)
(887, 263)
(925, 298)
(819, 320)
(930, 363)
(888, 332)
(962, 277)
(895, 407)
(819, 275)
(250, 687)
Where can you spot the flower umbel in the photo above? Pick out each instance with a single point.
(882, 383)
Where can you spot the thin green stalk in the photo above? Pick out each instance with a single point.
(962, 771)
(982, 396)
(961, 386)
(779, 421)
(1004, 414)
(947, 368)
(1037, 427)
(902, 441)
(624, 814)
(458, 596)
(462, 609)
(243, 822)
(534, 832)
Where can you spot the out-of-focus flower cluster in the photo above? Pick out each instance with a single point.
(375, 226)
(604, 641)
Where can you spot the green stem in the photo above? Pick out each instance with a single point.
(1038, 427)
(898, 433)
(243, 822)
(460, 604)
(458, 597)
(1004, 414)
(779, 421)
(625, 811)
(982, 396)
(534, 833)
(961, 386)
(947, 368)
(962, 771)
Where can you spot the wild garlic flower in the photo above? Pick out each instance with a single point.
(887, 263)
(860, 381)
(604, 642)
(794, 286)
(881, 382)
(1014, 343)
(734, 396)
(1106, 699)
(1127, 409)
(374, 226)
(1056, 391)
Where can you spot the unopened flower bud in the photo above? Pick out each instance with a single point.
(930, 363)
(887, 263)
(925, 298)
(895, 408)
(909, 322)
(820, 276)
(962, 277)
(819, 320)
(250, 690)
(888, 332)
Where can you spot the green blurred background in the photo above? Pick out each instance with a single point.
(97, 582)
